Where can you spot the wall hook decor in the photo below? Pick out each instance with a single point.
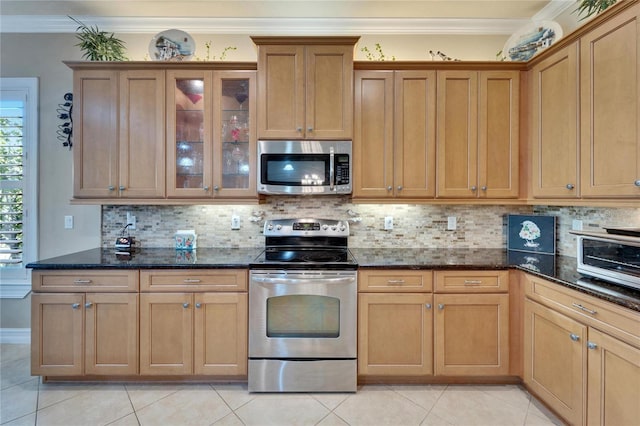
(65, 130)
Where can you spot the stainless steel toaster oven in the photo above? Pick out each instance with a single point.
(611, 258)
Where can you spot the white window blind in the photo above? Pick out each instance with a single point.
(18, 180)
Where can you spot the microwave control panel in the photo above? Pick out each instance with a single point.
(342, 169)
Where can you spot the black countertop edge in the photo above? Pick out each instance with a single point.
(555, 268)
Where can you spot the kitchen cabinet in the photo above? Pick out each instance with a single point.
(610, 107)
(478, 134)
(471, 323)
(394, 134)
(119, 133)
(211, 134)
(555, 171)
(582, 354)
(305, 87)
(395, 323)
(186, 330)
(82, 323)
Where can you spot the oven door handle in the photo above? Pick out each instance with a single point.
(289, 280)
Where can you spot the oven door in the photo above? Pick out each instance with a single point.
(302, 314)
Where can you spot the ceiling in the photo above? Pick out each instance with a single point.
(281, 16)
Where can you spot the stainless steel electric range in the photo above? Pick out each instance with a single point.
(303, 309)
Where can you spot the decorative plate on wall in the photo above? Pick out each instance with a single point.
(172, 45)
(531, 39)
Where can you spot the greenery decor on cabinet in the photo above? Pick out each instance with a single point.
(589, 7)
(99, 45)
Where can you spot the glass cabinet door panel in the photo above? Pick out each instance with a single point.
(235, 141)
(189, 160)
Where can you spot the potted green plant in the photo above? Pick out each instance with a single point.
(99, 45)
(589, 7)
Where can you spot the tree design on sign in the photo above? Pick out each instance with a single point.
(530, 232)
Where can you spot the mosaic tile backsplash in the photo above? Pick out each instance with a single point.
(415, 225)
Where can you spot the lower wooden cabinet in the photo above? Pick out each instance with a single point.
(84, 334)
(555, 360)
(471, 334)
(395, 334)
(193, 333)
(613, 381)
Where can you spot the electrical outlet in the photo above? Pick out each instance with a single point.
(131, 221)
(235, 222)
(452, 223)
(576, 225)
(68, 222)
(388, 223)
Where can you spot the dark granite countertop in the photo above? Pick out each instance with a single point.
(559, 269)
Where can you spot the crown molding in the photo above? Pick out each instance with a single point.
(552, 10)
(265, 26)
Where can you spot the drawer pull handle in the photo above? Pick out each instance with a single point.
(582, 308)
(574, 337)
(395, 281)
(191, 281)
(472, 282)
(82, 282)
(592, 345)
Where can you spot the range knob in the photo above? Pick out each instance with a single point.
(270, 228)
(333, 228)
(278, 227)
(325, 227)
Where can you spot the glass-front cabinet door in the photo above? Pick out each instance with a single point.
(189, 134)
(234, 127)
(211, 134)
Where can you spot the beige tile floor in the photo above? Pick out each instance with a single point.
(27, 401)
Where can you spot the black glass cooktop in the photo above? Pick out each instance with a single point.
(297, 257)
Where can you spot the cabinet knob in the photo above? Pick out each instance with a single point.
(122, 188)
(206, 188)
(441, 306)
(427, 305)
(111, 187)
(75, 305)
(198, 305)
(88, 305)
(298, 129)
(216, 187)
(484, 188)
(309, 129)
(185, 305)
(399, 187)
(389, 188)
(591, 345)
(474, 188)
(570, 186)
(574, 337)
(637, 183)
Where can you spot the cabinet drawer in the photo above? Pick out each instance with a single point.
(193, 280)
(395, 281)
(85, 280)
(615, 320)
(472, 281)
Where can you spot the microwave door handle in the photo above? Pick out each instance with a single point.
(331, 166)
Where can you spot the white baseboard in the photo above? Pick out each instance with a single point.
(20, 336)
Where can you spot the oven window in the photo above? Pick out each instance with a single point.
(611, 256)
(295, 169)
(303, 316)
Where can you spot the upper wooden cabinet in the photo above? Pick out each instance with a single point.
(211, 134)
(478, 134)
(305, 87)
(555, 125)
(119, 134)
(394, 134)
(610, 107)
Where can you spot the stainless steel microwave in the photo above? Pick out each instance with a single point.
(610, 258)
(304, 167)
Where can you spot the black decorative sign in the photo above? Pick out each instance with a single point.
(531, 233)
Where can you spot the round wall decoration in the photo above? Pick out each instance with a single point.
(172, 45)
(531, 39)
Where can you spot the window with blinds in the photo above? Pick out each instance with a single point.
(11, 182)
(18, 183)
